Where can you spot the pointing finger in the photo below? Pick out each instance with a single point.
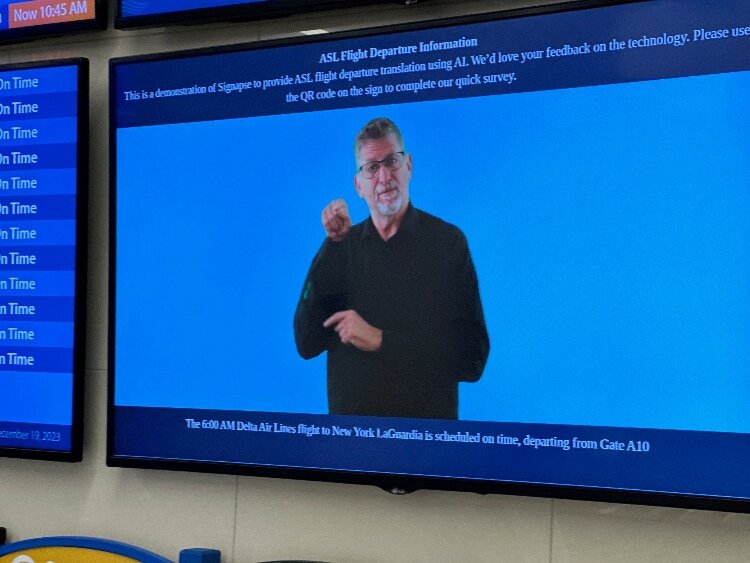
(334, 319)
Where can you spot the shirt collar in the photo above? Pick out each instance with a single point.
(409, 224)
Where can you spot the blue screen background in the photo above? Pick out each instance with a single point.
(608, 226)
(147, 7)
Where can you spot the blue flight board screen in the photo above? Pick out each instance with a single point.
(465, 254)
(131, 8)
(139, 13)
(40, 264)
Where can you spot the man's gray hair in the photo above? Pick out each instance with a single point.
(374, 130)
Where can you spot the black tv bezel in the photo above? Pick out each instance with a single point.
(75, 453)
(397, 483)
(46, 31)
(239, 12)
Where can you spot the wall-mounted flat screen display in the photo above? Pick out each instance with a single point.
(505, 254)
(43, 177)
(141, 13)
(29, 19)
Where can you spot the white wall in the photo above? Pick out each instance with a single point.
(253, 519)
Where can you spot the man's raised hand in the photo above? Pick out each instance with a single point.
(336, 220)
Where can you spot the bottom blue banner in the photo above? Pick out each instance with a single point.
(649, 460)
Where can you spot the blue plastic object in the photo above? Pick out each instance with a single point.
(200, 555)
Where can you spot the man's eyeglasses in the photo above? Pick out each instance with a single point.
(391, 162)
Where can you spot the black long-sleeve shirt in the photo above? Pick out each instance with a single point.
(420, 288)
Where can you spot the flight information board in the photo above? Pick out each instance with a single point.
(42, 255)
(508, 253)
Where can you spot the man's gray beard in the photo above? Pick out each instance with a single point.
(393, 208)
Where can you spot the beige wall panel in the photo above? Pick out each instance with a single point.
(588, 532)
(279, 519)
